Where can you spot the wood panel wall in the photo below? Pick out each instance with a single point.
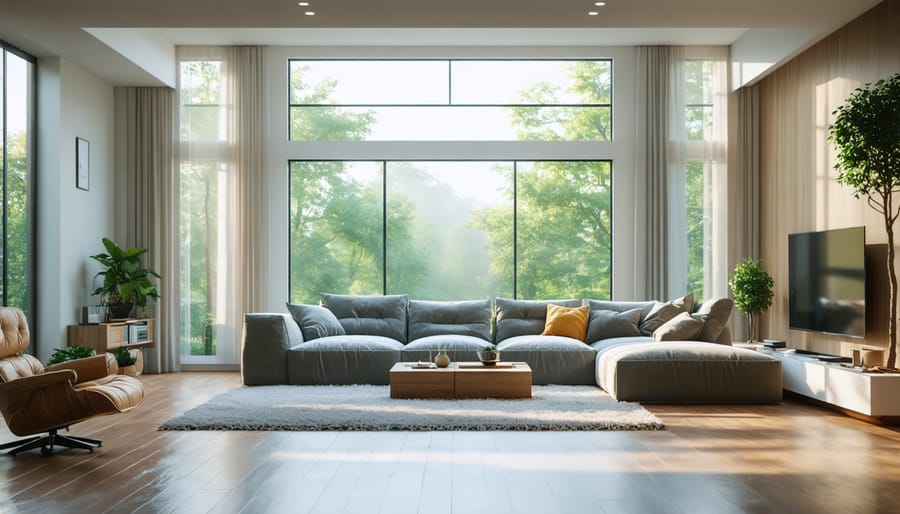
(797, 177)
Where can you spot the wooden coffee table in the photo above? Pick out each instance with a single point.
(462, 380)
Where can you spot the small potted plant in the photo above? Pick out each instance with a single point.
(127, 360)
(126, 282)
(70, 353)
(751, 289)
(489, 356)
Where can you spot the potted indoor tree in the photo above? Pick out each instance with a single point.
(866, 132)
(751, 289)
(126, 282)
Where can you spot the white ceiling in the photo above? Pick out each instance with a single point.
(99, 34)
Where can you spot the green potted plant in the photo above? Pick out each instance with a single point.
(69, 353)
(751, 289)
(489, 356)
(127, 360)
(126, 282)
(866, 133)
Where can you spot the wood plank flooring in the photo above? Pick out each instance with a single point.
(790, 457)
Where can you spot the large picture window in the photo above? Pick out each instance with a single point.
(450, 230)
(16, 165)
(450, 100)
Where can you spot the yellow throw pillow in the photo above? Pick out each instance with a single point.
(566, 321)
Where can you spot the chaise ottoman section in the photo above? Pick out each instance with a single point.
(686, 372)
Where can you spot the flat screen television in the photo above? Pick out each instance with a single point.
(827, 281)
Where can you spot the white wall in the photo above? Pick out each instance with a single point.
(73, 103)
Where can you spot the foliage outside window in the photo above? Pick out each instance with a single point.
(700, 132)
(450, 100)
(451, 230)
(16, 164)
(460, 229)
(201, 174)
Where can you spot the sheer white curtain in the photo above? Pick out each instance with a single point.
(708, 149)
(666, 146)
(152, 208)
(221, 163)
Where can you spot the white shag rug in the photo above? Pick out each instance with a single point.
(367, 407)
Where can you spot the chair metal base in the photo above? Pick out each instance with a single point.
(47, 442)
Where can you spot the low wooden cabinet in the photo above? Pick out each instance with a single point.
(133, 333)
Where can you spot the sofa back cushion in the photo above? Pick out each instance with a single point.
(607, 305)
(524, 317)
(369, 315)
(469, 318)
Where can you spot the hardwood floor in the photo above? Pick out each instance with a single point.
(790, 457)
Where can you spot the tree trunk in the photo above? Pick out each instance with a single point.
(754, 335)
(892, 275)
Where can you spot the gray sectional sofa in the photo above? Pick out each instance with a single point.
(639, 351)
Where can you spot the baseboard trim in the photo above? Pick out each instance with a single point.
(210, 367)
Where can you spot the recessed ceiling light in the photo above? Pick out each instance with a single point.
(303, 4)
(593, 13)
(599, 4)
(310, 13)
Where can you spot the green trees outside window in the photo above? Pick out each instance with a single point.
(16, 161)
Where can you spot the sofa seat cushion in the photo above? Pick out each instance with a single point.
(349, 343)
(458, 347)
(470, 318)
(553, 359)
(603, 344)
(343, 360)
(548, 343)
(687, 372)
(369, 315)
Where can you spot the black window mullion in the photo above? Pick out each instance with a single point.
(515, 240)
(5, 222)
(384, 227)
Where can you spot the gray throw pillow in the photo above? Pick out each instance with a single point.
(714, 313)
(682, 327)
(663, 312)
(315, 321)
(604, 324)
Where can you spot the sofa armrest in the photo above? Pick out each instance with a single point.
(87, 368)
(265, 343)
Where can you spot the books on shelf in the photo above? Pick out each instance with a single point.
(136, 333)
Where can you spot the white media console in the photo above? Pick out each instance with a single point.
(872, 396)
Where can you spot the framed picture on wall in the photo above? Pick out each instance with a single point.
(82, 164)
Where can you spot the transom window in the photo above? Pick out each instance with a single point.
(450, 100)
